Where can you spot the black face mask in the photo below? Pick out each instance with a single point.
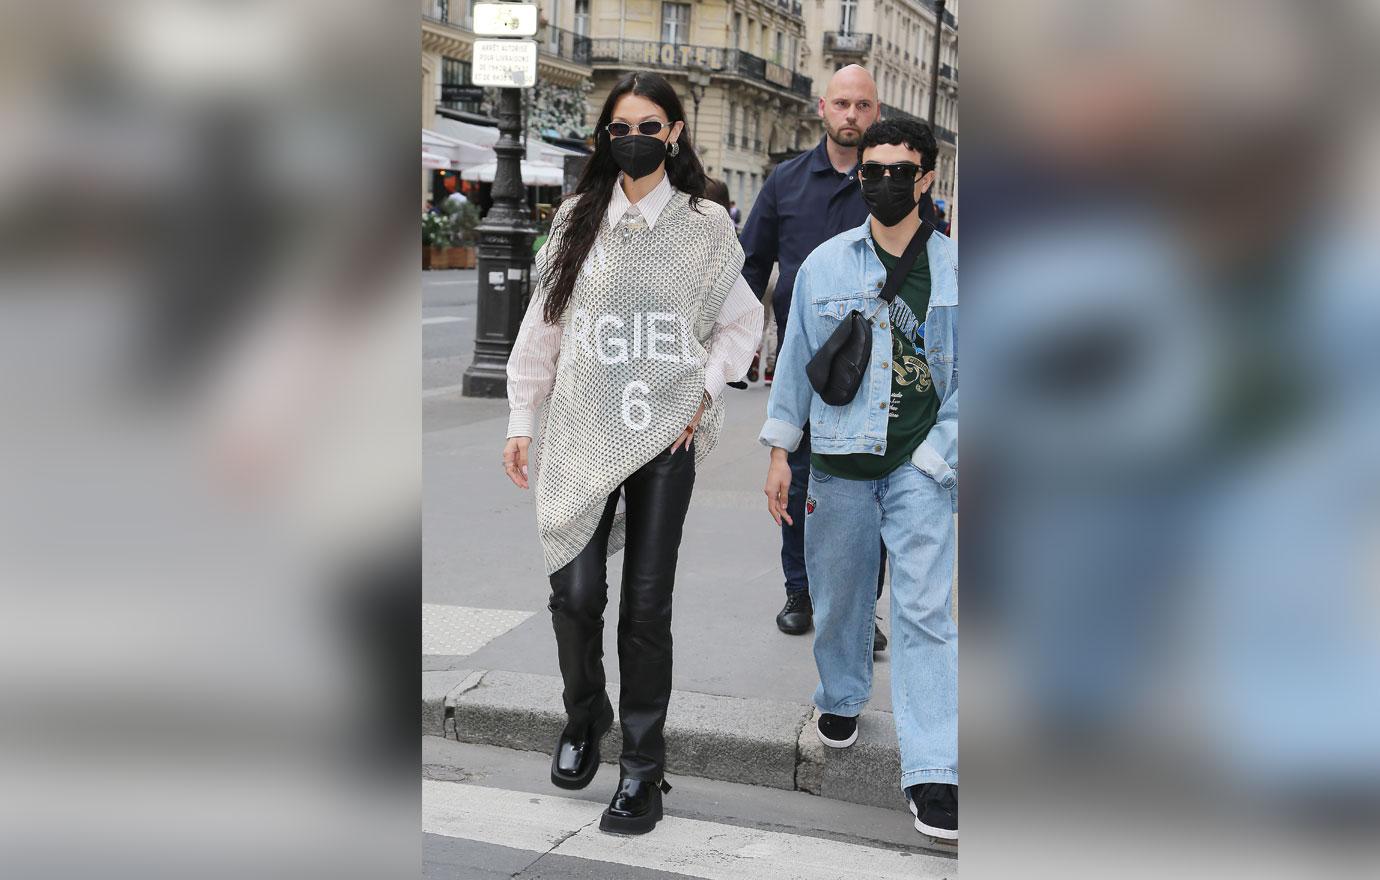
(889, 200)
(638, 154)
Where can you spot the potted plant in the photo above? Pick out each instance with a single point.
(465, 220)
(436, 237)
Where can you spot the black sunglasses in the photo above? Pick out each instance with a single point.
(650, 127)
(903, 171)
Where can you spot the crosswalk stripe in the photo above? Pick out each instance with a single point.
(455, 629)
(709, 850)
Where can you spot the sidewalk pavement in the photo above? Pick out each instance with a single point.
(741, 708)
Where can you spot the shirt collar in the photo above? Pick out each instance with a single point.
(650, 205)
(819, 159)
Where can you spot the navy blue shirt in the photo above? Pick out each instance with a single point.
(803, 204)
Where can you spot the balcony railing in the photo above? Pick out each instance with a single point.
(847, 44)
(441, 13)
(948, 72)
(946, 135)
(680, 56)
(564, 44)
(552, 41)
(948, 14)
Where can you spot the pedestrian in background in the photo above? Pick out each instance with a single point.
(716, 191)
(640, 317)
(806, 201)
(735, 214)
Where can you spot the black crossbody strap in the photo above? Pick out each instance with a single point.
(897, 276)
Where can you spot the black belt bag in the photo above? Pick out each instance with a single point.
(836, 371)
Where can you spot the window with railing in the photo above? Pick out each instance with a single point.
(582, 17)
(732, 117)
(455, 72)
(675, 22)
(553, 33)
(849, 16)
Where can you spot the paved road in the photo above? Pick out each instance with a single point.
(490, 813)
(448, 316)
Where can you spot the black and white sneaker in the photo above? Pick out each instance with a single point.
(836, 731)
(935, 807)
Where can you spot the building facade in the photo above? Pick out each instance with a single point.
(740, 58)
(894, 40)
(750, 72)
(448, 47)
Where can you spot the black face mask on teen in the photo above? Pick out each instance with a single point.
(889, 199)
(638, 154)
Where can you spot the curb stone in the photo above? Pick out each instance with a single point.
(437, 687)
(752, 741)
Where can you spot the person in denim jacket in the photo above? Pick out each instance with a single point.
(885, 464)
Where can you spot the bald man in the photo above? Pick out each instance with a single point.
(805, 202)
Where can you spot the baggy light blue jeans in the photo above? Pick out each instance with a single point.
(913, 514)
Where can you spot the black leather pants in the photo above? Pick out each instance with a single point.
(657, 497)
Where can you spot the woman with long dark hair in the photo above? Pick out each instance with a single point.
(639, 317)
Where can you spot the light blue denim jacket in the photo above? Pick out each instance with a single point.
(839, 276)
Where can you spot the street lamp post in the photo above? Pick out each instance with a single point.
(506, 235)
(699, 82)
(505, 259)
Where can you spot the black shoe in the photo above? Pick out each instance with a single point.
(935, 807)
(576, 758)
(752, 370)
(836, 731)
(635, 808)
(878, 640)
(740, 385)
(795, 618)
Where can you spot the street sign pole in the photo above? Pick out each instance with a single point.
(507, 233)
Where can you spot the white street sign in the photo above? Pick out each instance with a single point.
(505, 19)
(505, 63)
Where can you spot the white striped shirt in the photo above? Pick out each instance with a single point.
(532, 365)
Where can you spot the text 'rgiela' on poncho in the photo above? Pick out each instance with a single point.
(630, 374)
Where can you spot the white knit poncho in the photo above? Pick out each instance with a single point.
(630, 374)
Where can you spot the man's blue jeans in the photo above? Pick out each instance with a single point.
(914, 516)
(793, 536)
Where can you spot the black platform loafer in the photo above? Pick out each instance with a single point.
(635, 808)
(576, 758)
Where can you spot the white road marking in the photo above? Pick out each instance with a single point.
(455, 629)
(709, 850)
(445, 319)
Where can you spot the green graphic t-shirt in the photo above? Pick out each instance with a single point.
(914, 402)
